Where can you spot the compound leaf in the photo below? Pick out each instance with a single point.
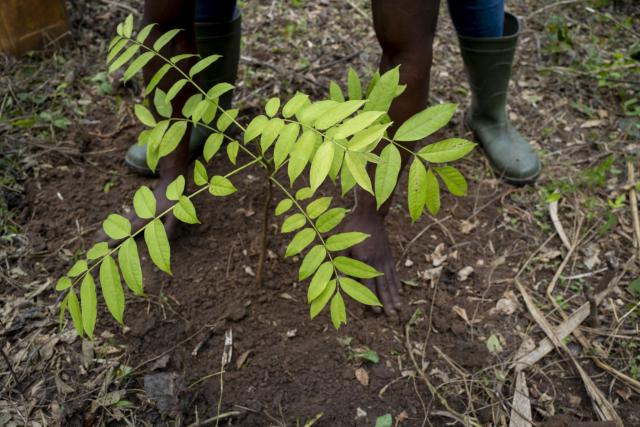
(175, 188)
(447, 150)
(321, 164)
(387, 172)
(453, 180)
(283, 206)
(129, 261)
(338, 311)
(321, 301)
(301, 240)
(318, 207)
(185, 211)
(89, 304)
(432, 190)
(293, 223)
(221, 186)
(74, 309)
(319, 281)
(330, 219)
(202, 64)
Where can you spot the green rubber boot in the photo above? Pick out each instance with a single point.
(211, 38)
(488, 64)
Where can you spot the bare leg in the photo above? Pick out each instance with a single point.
(405, 30)
(169, 14)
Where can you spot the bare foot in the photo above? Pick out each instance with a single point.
(376, 252)
(162, 204)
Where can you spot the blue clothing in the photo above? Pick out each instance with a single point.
(215, 10)
(477, 18)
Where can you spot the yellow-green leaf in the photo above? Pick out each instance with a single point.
(320, 280)
(88, 304)
(157, 242)
(112, 288)
(144, 203)
(129, 261)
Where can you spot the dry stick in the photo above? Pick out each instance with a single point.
(216, 419)
(13, 373)
(633, 198)
(464, 419)
(521, 408)
(553, 212)
(602, 406)
(265, 233)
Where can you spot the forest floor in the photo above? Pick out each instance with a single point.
(64, 129)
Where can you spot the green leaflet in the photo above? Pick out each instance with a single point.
(164, 39)
(304, 193)
(312, 261)
(155, 135)
(312, 112)
(425, 122)
(226, 119)
(122, 59)
(336, 164)
(219, 90)
(285, 143)
(298, 101)
(355, 268)
(200, 176)
(300, 154)
(447, 150)
(347, 182)
(342, 241)
(368, 138)
(144, 203)
(353, 84)
(338, 311)
(129, 261)
(318, 207)
(116, 226)
(301, 240)
(78, 268)
(358, 291)
(112, 288)
(162, 106)
(63, 283)
(153, 157)
(357, 166)
(212, 145)
(321, 164)
(127, 28)
(172, 137)
(74, 310)
(453, 179)
(232, 151)
(137, 64)
(283, 206)
(319, 281)
(200, 109)
(255, 128)
(337, 113)
(144, 33)
(335, 92)
(185, 211)
(144, 115)
(89, 304)
(202, 64)
(221, 186)
(330, 219)
(272, 106)
(387, 172)
(116, 48)
(177, 58)
(270, 133)
(293, 223)
(175, 89)
(98, 250)
(158, 245)
(191, 104)
(159, 75)
(321, 301)
(432, 190)
(384, 91)
(176, 188)
(417, 189)
(357, 123)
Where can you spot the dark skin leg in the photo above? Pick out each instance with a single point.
(405, 30)
(169, 14)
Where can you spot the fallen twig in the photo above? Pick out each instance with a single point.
(602, 406)
(633, 201)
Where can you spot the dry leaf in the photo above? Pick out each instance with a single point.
(362, 376)
(462, 313)
(467, 227)
(243, 358)
(464, 273)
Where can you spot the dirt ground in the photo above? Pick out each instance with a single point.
(63, 172)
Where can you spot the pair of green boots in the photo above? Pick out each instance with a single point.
(488, 63)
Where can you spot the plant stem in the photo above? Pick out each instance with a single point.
(265, 233)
